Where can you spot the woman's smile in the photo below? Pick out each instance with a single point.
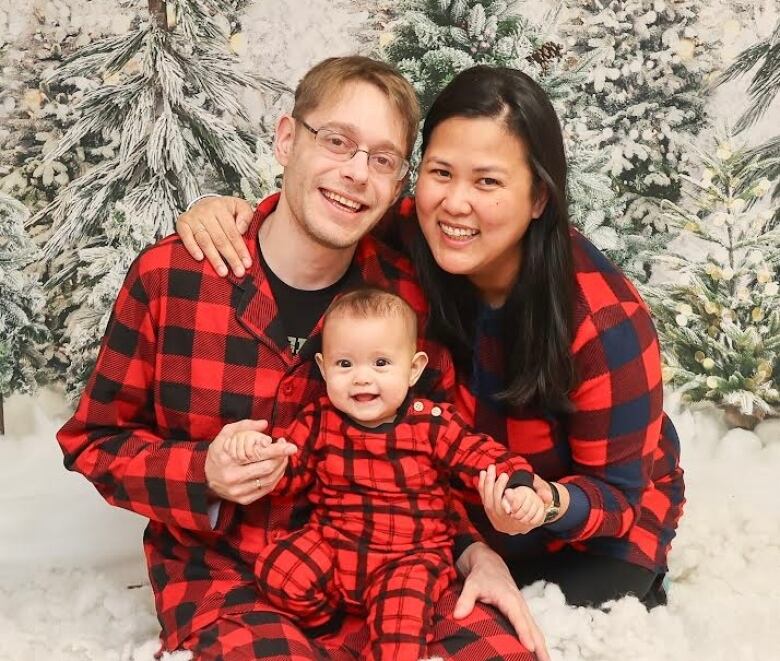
(458, 233)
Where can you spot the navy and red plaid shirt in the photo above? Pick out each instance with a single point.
(185, 353)
(618, 446)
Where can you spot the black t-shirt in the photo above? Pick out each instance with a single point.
(301, 309)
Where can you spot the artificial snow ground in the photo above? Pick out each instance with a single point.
(67, 559)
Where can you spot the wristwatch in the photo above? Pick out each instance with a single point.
(555, 508)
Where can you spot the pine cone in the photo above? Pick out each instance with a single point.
(546, 54)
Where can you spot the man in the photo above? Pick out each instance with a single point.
(188, 353)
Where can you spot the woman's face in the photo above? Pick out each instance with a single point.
(475, 200)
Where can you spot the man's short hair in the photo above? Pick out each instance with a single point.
(327, 78)
(372, 303)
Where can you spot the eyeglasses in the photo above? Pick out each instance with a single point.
(342, 148)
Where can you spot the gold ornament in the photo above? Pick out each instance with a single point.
(686, 49)
(684, 308)
(33, 99)
(763, 187)
(386, 38)
(237, 43)
(724, 151)
(737, 205)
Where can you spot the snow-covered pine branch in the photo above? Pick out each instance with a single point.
(23, 332)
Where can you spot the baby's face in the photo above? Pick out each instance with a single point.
(368, 365)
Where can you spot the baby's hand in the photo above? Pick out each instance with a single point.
(524, 505)
(244, 446)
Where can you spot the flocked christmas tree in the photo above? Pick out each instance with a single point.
(720, 324)
(23, 332)
(642, 102)
(169, 99)
(430, 41)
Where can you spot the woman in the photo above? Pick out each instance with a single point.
(556, 354)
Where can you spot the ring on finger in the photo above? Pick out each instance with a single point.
(257, 483)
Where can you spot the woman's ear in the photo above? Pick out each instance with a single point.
(541, 198)
(419, 361)
(285, 136)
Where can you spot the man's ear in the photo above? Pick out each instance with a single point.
(541, 197)
(419, 361)
(320, 363)
(285, 136)
(399, 189)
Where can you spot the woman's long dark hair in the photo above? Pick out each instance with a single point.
(538, 320)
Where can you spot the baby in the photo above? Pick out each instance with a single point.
(378, 461)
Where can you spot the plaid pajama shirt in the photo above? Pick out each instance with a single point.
(186, 352)
(618, 446)
(380, 537)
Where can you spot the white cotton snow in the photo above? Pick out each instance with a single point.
(725, 564)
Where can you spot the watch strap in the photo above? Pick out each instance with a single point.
(553, 510)
(556, 495)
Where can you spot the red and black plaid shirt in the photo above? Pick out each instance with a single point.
(386, 489)
(185, 353)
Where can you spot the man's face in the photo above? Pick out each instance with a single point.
(338, 202)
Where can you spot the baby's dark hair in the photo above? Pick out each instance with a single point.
(372, 302)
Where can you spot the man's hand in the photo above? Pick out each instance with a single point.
(214, 226)
(488, 580)
(228, 479)
(491, 491)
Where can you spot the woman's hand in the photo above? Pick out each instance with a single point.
(488, 580)
(213, 226)
(491, 490)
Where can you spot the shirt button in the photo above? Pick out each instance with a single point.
(418, 406)
(287, 390)
(435, 411)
